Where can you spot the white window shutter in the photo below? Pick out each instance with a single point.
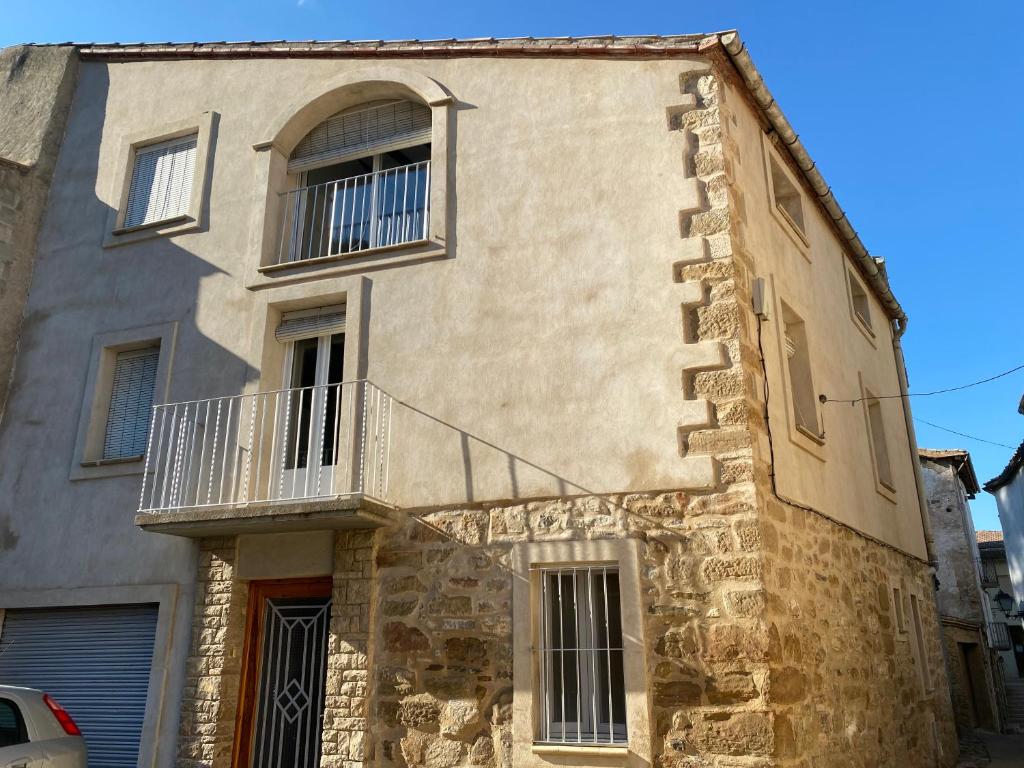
(131, 399)
(348, 135)
(161, 181)
(310, 323)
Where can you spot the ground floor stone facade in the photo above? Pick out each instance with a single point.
(973, 682)
(771, 638)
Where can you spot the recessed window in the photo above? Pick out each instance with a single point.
(131, 400)
(923, 668)
(786, 196)
(362, 182)
(860, 303)
(580, 657)
(798, 363)
(901, 619)
(879, 445)
(161, 185)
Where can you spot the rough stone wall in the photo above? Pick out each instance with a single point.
(444, 636)
(844, 685)
(956, 552)
(348, 652)
(36, 87)
(213, 667)
(971, 680)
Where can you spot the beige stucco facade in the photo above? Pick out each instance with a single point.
(573, 355)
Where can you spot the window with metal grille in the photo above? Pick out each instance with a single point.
(131, 398)
(580, 656)
(161, 186)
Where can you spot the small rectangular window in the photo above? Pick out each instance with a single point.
(798, 361)
(925, 671)
(901, 619)
(131, 399)
(879, 445)
(580, 656)
(787, 196)
(859, 299)
(161, 186)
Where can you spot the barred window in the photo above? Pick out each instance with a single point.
(580, 656)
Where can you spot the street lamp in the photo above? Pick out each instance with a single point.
(1004, 601)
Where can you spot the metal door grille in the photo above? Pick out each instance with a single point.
(581, 656)
(290, 702)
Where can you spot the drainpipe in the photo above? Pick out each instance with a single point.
(900, 327)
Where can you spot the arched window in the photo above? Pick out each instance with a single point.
(361, 180)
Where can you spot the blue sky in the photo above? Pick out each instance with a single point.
(912, 111)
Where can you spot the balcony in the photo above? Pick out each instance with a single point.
(383, 209)
(293, 459)
(998, 636)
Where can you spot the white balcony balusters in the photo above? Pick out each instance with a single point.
(375, 210)
(292, 444)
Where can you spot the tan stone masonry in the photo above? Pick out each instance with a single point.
(213, 668)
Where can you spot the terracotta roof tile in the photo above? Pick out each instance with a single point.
(985, 537)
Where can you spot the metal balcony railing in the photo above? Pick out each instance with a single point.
(998, 636)
(292, 444)
(375, 210)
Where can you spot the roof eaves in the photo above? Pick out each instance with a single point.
(1009, 471)
(869, 266)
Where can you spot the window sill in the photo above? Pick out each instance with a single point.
(111, 462)
(163, 228)
(886, 491)
(347, 263)
(795, 233)
(811, 434)
(595, 750)
(864, 328)
(100, 469)
(151, 225)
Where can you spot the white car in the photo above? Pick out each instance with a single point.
(36, 731)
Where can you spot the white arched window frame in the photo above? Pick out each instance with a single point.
(359, 87)
(361, 181)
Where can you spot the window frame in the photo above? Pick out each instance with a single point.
(528, 560)
(203, 126)
(798, 433)
(886, 488)
(920, 646)
(797, 232)
(863, 323)
(317, 103)
(88, 461)
(588, 675)
(897, 592)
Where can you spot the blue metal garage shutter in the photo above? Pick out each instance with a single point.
(95, 662)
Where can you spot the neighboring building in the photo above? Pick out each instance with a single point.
(36, 85)
(1006, 633)
(484, 379)
(971, 658)
(1008, 488)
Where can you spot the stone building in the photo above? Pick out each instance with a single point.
(462, 403)
(965, 614)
